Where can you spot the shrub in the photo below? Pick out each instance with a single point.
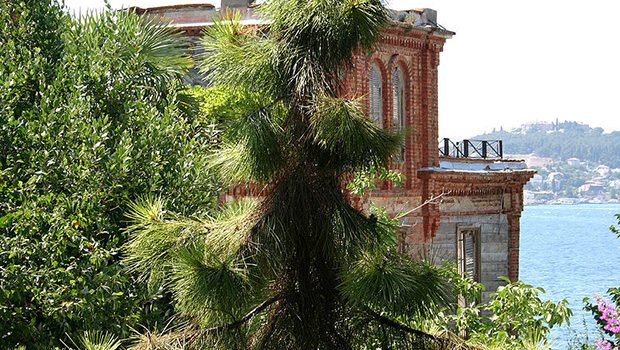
(515, 317)
(92, 115)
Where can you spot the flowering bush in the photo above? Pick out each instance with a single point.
(605, 345)
(607, 317)
(607, 313)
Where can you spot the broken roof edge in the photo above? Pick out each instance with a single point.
(141, 10)
(442, 33)
(421, 19)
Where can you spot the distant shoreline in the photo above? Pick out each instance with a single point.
(567, 203)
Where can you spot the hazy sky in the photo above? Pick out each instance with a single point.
(513, 62)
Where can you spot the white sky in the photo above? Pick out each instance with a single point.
(513, 62)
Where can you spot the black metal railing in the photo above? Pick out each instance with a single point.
(485, 149)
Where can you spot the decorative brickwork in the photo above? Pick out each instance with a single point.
(491, 200)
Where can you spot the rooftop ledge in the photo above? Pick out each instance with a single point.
(202, 15)
(477, 165)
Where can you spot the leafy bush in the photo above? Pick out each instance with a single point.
(92, 115)
(515, 317)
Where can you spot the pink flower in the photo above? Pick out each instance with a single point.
(608, 314)
(605, 345)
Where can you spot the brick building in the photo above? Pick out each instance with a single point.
(473, 197)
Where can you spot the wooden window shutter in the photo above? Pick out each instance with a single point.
(468, 252)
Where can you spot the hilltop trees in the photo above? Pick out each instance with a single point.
(566, 140)
(91, 117)
(299, 267)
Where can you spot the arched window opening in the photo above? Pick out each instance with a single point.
(376, 102)
(398, 106)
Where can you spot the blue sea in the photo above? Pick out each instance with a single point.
(570, 252)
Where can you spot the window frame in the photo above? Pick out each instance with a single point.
(375, 105)
(399, 106)
(476, 233)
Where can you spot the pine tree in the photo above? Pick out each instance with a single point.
(300, 267)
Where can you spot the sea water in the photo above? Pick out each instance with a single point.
(570, 252)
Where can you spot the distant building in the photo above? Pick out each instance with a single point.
(475, 220)
(603, 170)
(615, 184)
(591, 189)
(574, 162)
(554, 181)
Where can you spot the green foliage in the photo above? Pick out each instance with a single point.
(366, 180)
(580, 341)
(220, 104)
(395, 285)
(155, 233)
(90, 118)
(515, 317)
(615, 229)
(347, 135)
(97, 341)
(301, 268)
(520, 314)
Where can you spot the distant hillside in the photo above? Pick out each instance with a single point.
(561, 141)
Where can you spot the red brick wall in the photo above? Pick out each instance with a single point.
(417, 54)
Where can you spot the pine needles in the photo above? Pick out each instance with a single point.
(301, 268)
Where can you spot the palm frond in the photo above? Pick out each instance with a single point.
(394, 284)
(351, 141)
(154, 51)
(96, 340)
(154, 236)
(254, 149)
(354, 232)
(162, 48)
(320, 37)
(214, 288)
(238, 56)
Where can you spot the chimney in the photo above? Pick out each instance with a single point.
(427, 17)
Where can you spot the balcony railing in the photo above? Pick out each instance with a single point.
(484, 149)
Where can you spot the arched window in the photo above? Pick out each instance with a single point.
(376, 102)
(398, 105)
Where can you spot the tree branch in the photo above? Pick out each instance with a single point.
(443, 341)
(397, 325)
(431, 200)
(236, 324)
